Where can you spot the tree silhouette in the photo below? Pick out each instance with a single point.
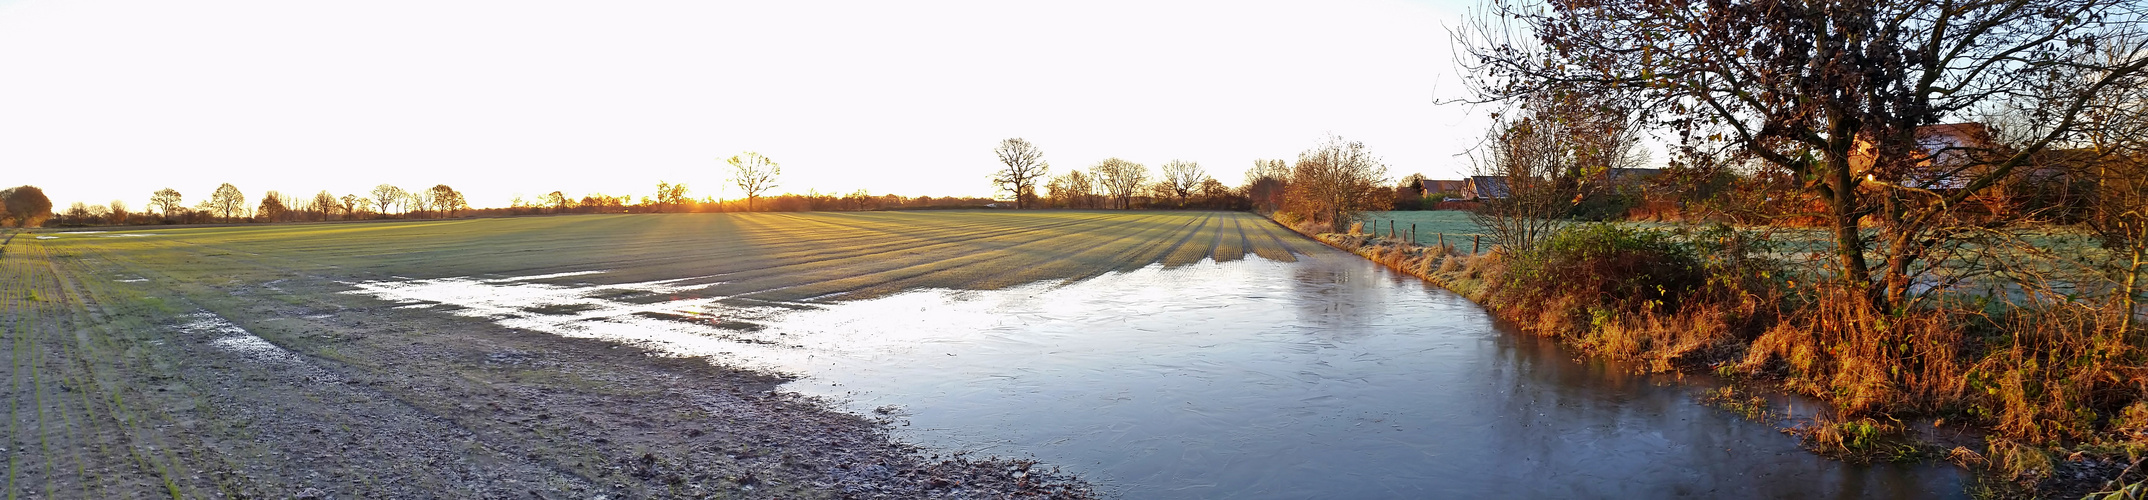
(1120, 179)
(557, 200)
(1023, 165)
(754, 174)
(1335, 182)
(1182, 177)
(385, 197)
(166, 201)
(669, 196)
(446, 199)
(273, 208)
(25, 206)
(227, 201)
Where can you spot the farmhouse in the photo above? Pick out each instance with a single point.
(1947, 157)
(1952, 155)
(1482, 187)
(1449, 188)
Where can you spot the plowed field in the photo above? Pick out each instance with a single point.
(229, 361)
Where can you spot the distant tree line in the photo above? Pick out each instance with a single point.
(1331, 184)
(229, 205)
(1334, 181)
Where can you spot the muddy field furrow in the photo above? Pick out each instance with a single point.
(1198, 244)
(1056, 258)
(1081, 261)
(942, 264)
(952, 265)
(938, 252)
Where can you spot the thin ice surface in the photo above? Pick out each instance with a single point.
(1322, 378)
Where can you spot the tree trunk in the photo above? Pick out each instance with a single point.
(2133, 274)
(1849, 243)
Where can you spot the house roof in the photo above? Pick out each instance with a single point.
(1488, 186)
(1943, 146)
(1432, 186)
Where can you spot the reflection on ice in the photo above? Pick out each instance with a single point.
(1318, 378)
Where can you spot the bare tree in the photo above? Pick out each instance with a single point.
(754, 174)
(1521, 198)
(1832, 92)
(1335, 182)
(77, 213)
(669, 196)
(324, 204)
(273, 208)
(1544, 162)
(1264, 184)
(556, 200)
(1073, 189)
(1120, 179)
(1022, 165)
(351, 205)
(417, 202)
(166, 202)
(227, 201)
(2115, 148)
(385, 197)
(1183, 177)
(446, 200)
(117, 211)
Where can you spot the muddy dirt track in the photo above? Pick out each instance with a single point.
(230, 362)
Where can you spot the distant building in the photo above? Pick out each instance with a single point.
(1483, 187)
(1947, 153)
(1449, 187)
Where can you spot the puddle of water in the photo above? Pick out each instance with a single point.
(1257, 379)
(48, 237)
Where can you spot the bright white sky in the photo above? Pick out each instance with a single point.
(113, 99)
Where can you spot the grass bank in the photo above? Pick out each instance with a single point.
(2053, 389)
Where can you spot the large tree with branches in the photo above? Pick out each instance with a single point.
(1022, 164)
(1119, 179)
(754, 174)
(227, 201)
(1810, 86)
(166, 202)
(1183, 177)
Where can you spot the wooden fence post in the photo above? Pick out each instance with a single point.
(1476, 243)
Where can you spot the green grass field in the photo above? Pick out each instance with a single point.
(1430, 224)
(116, 386)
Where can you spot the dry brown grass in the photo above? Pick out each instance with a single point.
(2059, 375)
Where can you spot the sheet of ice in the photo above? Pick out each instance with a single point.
(690, 325)
(546, 276)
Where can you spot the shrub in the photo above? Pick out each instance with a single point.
(1606, 266)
